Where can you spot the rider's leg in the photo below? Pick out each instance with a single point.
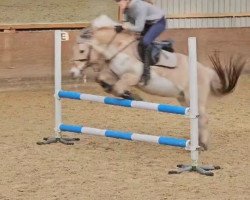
(147, 62)
(153, 32)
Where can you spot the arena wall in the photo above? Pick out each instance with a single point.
(29, 56)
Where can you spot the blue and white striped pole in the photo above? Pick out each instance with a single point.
(124, 102)
(170, 141)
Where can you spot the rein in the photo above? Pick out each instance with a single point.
(112, 39)
(121, 50)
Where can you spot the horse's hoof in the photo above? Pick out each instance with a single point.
(107, 87)
(128, 95)
(203, 147)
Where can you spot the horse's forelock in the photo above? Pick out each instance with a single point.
(80, 40)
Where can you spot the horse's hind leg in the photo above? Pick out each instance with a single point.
(204, 135)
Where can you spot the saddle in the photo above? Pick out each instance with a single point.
(162, 54)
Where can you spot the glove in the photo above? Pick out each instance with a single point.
(119, 28)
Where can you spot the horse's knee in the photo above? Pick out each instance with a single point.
(107, 87)
(119, 90)
(122, 91)
(107, 76)
(181, 99)
(100, 77)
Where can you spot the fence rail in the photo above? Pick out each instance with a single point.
(207, 15)
(45, 26)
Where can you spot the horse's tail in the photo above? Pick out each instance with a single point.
(227, 76)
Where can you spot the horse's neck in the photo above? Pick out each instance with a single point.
(110, 47)
(96, 56)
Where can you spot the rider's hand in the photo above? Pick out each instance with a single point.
(119, 28)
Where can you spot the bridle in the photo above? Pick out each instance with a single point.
(87, 59)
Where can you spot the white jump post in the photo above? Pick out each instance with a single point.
(58, 81)
(58, 38)
(194, 116)
(193, 90)
(192, 112)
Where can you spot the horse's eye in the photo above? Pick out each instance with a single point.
(81, 51)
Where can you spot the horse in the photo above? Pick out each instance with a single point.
(115, 56)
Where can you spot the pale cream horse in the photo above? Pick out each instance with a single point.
(114, 55)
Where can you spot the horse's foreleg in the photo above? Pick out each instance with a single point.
(107, 80)
(182, 99)
(122, 87)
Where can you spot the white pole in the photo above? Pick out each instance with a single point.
(58, 82)
(193, 91)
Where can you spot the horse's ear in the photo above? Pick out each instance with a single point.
(86, 33)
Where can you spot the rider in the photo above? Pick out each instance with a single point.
(146, 19)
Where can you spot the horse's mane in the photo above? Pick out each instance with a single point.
(100, 23)
(103, 21)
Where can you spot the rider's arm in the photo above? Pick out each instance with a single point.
(138, 21)
(149, 1)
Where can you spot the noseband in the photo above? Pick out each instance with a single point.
(87, 60)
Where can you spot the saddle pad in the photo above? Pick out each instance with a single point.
(167, 59)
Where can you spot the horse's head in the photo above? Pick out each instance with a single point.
(80, 60)
(84, 55)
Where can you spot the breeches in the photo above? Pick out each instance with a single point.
(152, 31)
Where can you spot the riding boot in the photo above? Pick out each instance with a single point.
(147, 62)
